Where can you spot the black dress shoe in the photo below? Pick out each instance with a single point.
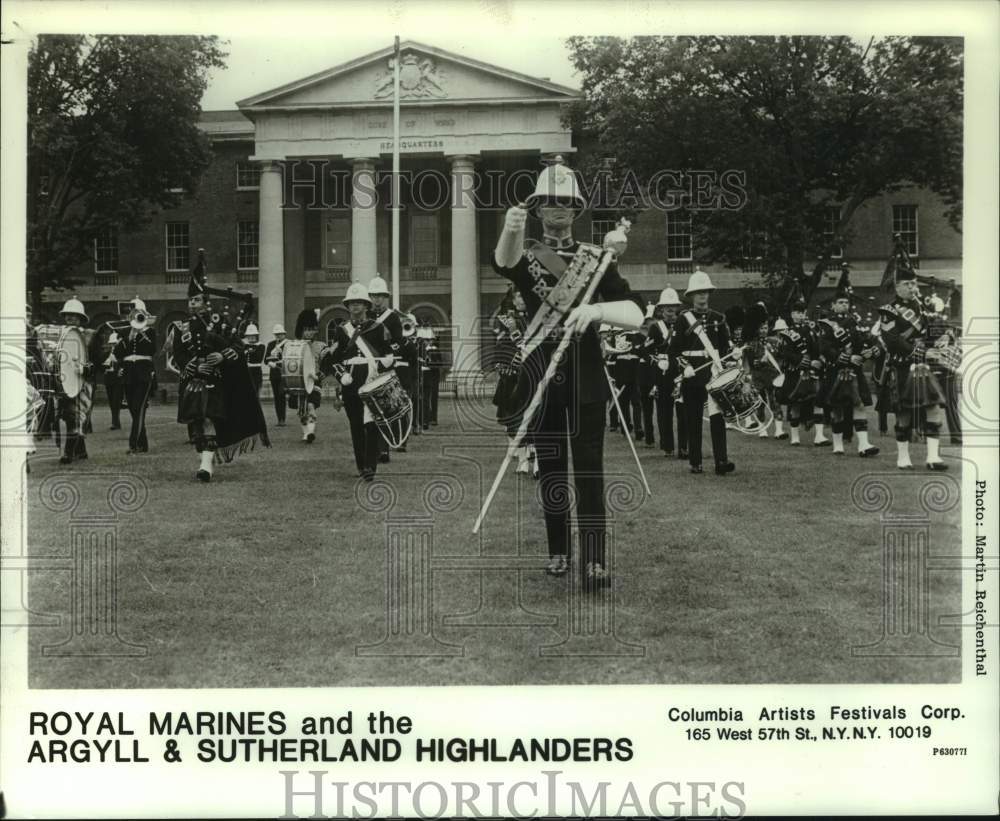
(872, 451)
(558, 565)
(596, 577)
(65, 460)
(204, 476)
(781, 436)
(115, 427)
(368, 475)
(696, 469)
(936, 466)
(668, 453)
(310, 438)
(722, 468)
(682, 454)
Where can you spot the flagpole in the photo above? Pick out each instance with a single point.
(395, 177)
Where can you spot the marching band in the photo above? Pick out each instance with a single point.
(576, 353)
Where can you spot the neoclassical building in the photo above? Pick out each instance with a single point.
(296, 203)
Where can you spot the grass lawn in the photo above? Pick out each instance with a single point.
(276, 572)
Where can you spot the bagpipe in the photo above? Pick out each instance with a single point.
(222, 323)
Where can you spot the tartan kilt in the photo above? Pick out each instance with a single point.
(917, 387)
(783, 394)
(846, 387)
(805, 388)
(193, 406)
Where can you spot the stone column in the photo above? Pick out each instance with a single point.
(464, 275)
(363, 210)
(271, 273)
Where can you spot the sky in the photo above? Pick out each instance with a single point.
(258, 63)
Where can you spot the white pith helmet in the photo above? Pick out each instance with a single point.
(357, 292)
(74, 306)
(377, 286)
(698, 281)
(557, 182)
(668, 297)
(278, 329)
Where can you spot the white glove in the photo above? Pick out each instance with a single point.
(346, 379)
(663, 364)
(387, 361)
(515, 219)
(582, 317)
(688, 372)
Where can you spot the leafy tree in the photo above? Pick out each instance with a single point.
(813, 122)
(112, 135)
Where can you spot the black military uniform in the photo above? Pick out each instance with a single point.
(114, 386)
(626, 376)
(573, 406)
(346, 355)
(657, 349)
(435, 362)
(689, 350)
(134, 354)
(645, 385)
(272, 359)
(255, 353)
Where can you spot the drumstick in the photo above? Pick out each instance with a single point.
(631, 444)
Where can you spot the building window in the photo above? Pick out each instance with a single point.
(599, 226)
(247, 176)
(678, 236)
(904, 223)
(247, 245)
(337, 242)
(423, 239)
(178, 246)
(831, 216)
(106, 251)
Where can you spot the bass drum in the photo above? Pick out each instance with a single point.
(298, 366)
(65, 349)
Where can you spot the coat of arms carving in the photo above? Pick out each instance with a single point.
(418, 77)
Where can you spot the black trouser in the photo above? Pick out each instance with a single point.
(408, 381)
(257, 377)
(365, 438)
(559, 428)
(646, 402)
(137, 395)
(116, 391)
(665, 407)
(695, 395)
(432, 390)
(278, 389)
(428, 396)
(631, 407)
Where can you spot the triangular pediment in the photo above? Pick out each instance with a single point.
(427, 75)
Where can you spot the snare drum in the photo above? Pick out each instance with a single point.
(65, 350)
(735, 395)
(298, 366)
(390, 407)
